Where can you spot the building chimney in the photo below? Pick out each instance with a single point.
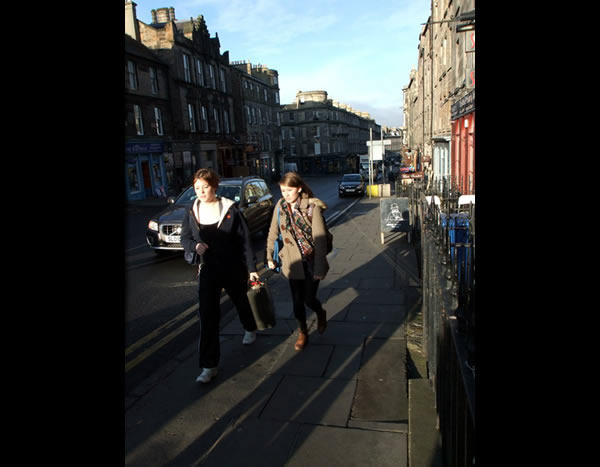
(163, 15)
(131, 24)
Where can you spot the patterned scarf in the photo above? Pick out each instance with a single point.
(301, 229)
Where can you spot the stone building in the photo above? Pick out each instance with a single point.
(256, 88)
(439, 99)
(148, 123)
(321, 135)
(205, 133)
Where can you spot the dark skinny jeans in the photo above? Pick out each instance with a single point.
(304, 291)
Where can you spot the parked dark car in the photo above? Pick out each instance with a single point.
(351, 184)
(251, 194)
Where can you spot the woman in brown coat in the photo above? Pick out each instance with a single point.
(303, 256)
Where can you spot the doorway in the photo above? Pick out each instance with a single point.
(147, 178)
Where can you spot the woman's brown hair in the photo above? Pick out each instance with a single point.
(294, 180)
(211, 177)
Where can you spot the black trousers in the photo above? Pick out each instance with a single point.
(211, 281)
(304, 291)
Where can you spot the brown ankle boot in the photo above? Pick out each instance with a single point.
(302, 340)
(322, 321)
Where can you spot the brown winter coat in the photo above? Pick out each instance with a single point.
(291, 259)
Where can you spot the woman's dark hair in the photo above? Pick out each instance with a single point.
(294, 180)
(211, 177)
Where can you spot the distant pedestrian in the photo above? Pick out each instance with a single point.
(215, 228)
(303, 256)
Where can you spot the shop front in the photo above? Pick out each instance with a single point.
(145, 170)
(463, 144)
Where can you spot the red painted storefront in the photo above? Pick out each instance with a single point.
(463, 145)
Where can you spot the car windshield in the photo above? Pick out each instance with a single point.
(351, 178)
(227, 191)
(233, 192)
(187, 197)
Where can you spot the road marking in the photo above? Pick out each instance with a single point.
(159, 330)
(337, 214)
(171, 335)
(165, 340)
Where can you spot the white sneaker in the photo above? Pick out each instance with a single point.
(206, 375)
(249, 338)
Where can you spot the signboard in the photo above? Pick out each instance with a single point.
(377, 149)
(470, 81)
(470, 41)
(141, 147)
(376, 153)
(394, 215)
(464, 105)
(411, 176)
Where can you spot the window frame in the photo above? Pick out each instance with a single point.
(192, 118)
(139, 119)
(158, 121)
(187, 75)
(132, 75)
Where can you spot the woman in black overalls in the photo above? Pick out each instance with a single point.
(216, 229)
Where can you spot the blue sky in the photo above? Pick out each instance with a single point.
(360, 52)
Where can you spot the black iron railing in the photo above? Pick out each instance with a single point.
(444, 234)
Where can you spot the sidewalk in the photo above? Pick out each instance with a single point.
(341, 401)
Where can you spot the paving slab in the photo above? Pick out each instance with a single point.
(383, 359)
(255, 442)
(331, 446)
(366, 312)
(312, 361)
(424, 437)
(381, 391)
(344, 362)
(354, 333)
(283, 327)
(180, 416)
(311, 400)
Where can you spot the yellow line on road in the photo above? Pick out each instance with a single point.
(159, 330)
(165, 340)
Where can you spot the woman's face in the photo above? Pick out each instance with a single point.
(204, 192)
(290, 193)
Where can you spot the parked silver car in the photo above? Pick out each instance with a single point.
(251, 194)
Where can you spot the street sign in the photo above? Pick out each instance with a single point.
(376, 148)
(376, 153)
(394, 216)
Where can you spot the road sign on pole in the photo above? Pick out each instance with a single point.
(377, 148)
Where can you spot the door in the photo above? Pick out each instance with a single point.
(147, 178)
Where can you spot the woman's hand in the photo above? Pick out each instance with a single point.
(271, 264)
(201, 248)
(254, 276)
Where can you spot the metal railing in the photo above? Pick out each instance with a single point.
(444, 236)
